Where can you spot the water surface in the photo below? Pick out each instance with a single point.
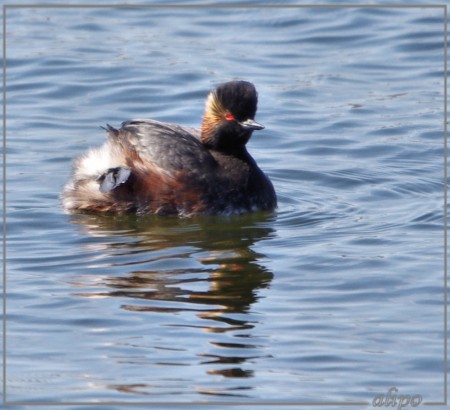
(336, 297)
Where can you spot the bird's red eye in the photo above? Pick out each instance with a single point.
(229, 117)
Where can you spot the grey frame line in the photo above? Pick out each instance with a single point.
(223, 6)
(4, 206)
(445, 207)
(217, 6)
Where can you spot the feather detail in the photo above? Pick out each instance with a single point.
(213, 117)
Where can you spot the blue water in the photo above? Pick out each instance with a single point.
(335, 298)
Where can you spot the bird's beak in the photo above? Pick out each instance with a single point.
(251, 125)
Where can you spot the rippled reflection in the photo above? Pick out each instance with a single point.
(204, 267)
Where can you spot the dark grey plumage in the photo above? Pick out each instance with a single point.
(149, 166)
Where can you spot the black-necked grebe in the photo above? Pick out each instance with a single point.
(154, 167)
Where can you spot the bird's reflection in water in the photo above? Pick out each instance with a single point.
(203, 265)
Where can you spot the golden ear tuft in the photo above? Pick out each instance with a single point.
(214, 107)
(214, 115)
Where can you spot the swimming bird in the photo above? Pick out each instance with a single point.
(153, 167)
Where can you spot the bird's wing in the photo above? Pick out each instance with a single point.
(168, 146)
